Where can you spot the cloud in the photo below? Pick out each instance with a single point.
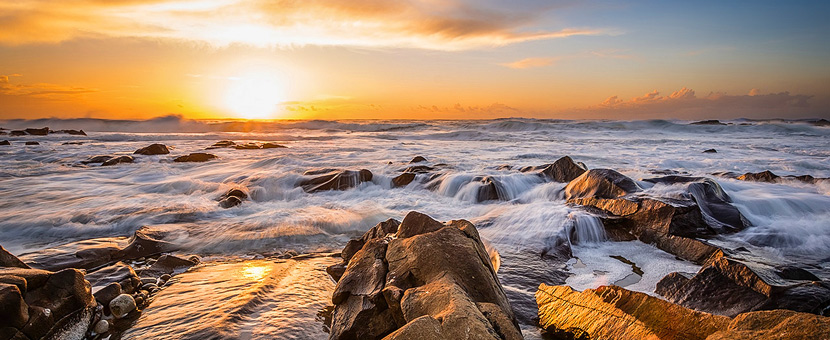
(530, 63)
(684, 103)
(41, 90)
(427, 24)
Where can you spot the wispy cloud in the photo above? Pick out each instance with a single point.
(427, 24)
(530, 63)
(534, 62)
(40, 90)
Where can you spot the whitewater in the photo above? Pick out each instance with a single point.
(51, 198)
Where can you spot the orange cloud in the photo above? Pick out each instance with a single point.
(530, 63)
(42, 90)
(427, 24)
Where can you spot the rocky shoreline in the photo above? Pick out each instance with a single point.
(419, 278)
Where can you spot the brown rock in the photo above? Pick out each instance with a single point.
(14, 312)
(118, 160)
(418, 159)
(342, 180)
(64, 293)
(222, 144)
(765, 176)
(32, 143)
(153, 149)
(97, 159)
(195, 157)
(9, 260)
(38, 132)
(562, 170)
(167, 264)
(146, 241)
(17, 133)
(415, 223)
(600, 183)
(708, 122)
(421, 328)
(272, 146)
(403, 180)
(777, 324)
(119, 272)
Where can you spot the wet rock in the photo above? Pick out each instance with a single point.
(247, 146)
(14, 312)
(71, 132)
(232, 198)
(122, 305)
(168, 264)
(84, 254)
(222, 144)
(821, 122)
(108, 293)
(417, 159)
(432, 281)
(403, 180)
(35, 278)
(195, 157)
(118, 160)
(147, 241)
(611, 312)
(9, 260)
(715, 205)
(101, 327)
(710, 151)
(5, 142)
(490, 190)
(97, 159)
(38, 132)
(562, 170)
(765, 176)
(119, 273)
(733, 284)
(601, 183)
(59, 304)
(17, 133)
(72, 143)
(341, 180)
(32, 143)
(418, 169)
(778, 324)
(708, 122)
(272, 146)
(15, 280)
(153, 149)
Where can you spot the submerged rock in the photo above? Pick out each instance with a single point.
(432, 280)
(764, 176)
(118, 160)
(97, 159)
(340, 180)
(710, 151)
(17, 133)
(562, 170)
(195, 157)
(232, 198)
(417, 159)
(708, 122)
(153, 149)
(38, 132)
(222, 144)
(403, 180)
(5, 142)
(272, 146)
(32, 143)
(600, 183)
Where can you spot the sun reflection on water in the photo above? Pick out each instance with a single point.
(255, 271)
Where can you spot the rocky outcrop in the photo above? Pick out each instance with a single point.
(708, 122)
(611, 312)
(764, 176)
(37, 132)
(153, 149)
(248, 146)
(7, 259)
(335, 180)
(232, 198)
(422, 279)
(118, 160)
(195, 157)
(562, 170)
(733, 284)
(601, 183)
(222, 144)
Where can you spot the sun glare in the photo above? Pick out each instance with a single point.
(256, 96)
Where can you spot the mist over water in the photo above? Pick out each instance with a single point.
(51, 198)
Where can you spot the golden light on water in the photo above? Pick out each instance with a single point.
(255, 271)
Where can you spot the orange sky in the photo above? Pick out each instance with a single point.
(442, 59)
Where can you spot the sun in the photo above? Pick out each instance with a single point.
(256, 95)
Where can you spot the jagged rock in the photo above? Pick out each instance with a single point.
(97, 159)
(146, 241)
(153, 149)
(38, 132)
(611, 312)
(778, 324)
(708, 122)
(710, 151)
(9, 260)
(341, 180)
(232, 198)
(562, 170)
(764, 176)
(403, 180)
(118, 160)
(32, 143)
(601, 183)
(5, 142)
(195, 157)
(729, 285)
(418, 159)
(490, 190)
(432, 281)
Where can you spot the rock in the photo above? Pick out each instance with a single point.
(5, 142)
(35, 278)
(714, 203)
(97, 159)
(153, 149)
(119, 273)
(101, 327)
(195, 157)
(38, 132)
(418, 169)
(232, 198)
(222, 144)
(403, 180)
(710, 151)
(18, 281)
(708, 122)
(765, 176)
(168, 264)
(248, 146)
(118, 160)
(14, 312)
(166, 277)
(490, 189)
(72, 143)
(562, 170)
(342, 180)
(821, 122)
(122, 305)
(611, 312)
(32, 143)
(108, 293)
(71, 132)
(65, 296)
(600, 183)
(778, 324)
(418, 159)
(9, 260)
(272, 146)
(431, 281)
(147, 241)
(17, 133)
(84, 254)
(733, 284)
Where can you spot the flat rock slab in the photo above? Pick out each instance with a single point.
(254, 299)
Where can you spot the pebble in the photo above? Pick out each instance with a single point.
(149, 287)
(146, 280)
(122, 305)
(101, 327)
(164, 278)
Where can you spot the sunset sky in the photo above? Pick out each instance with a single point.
(427, 59)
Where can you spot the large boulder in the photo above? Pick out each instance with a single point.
(733, 284)
(195, 157)
(422, 279)
(153, 149)
(7, 259)
(38, 132)
(562, 170)
(335, 180)
(600, 183)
